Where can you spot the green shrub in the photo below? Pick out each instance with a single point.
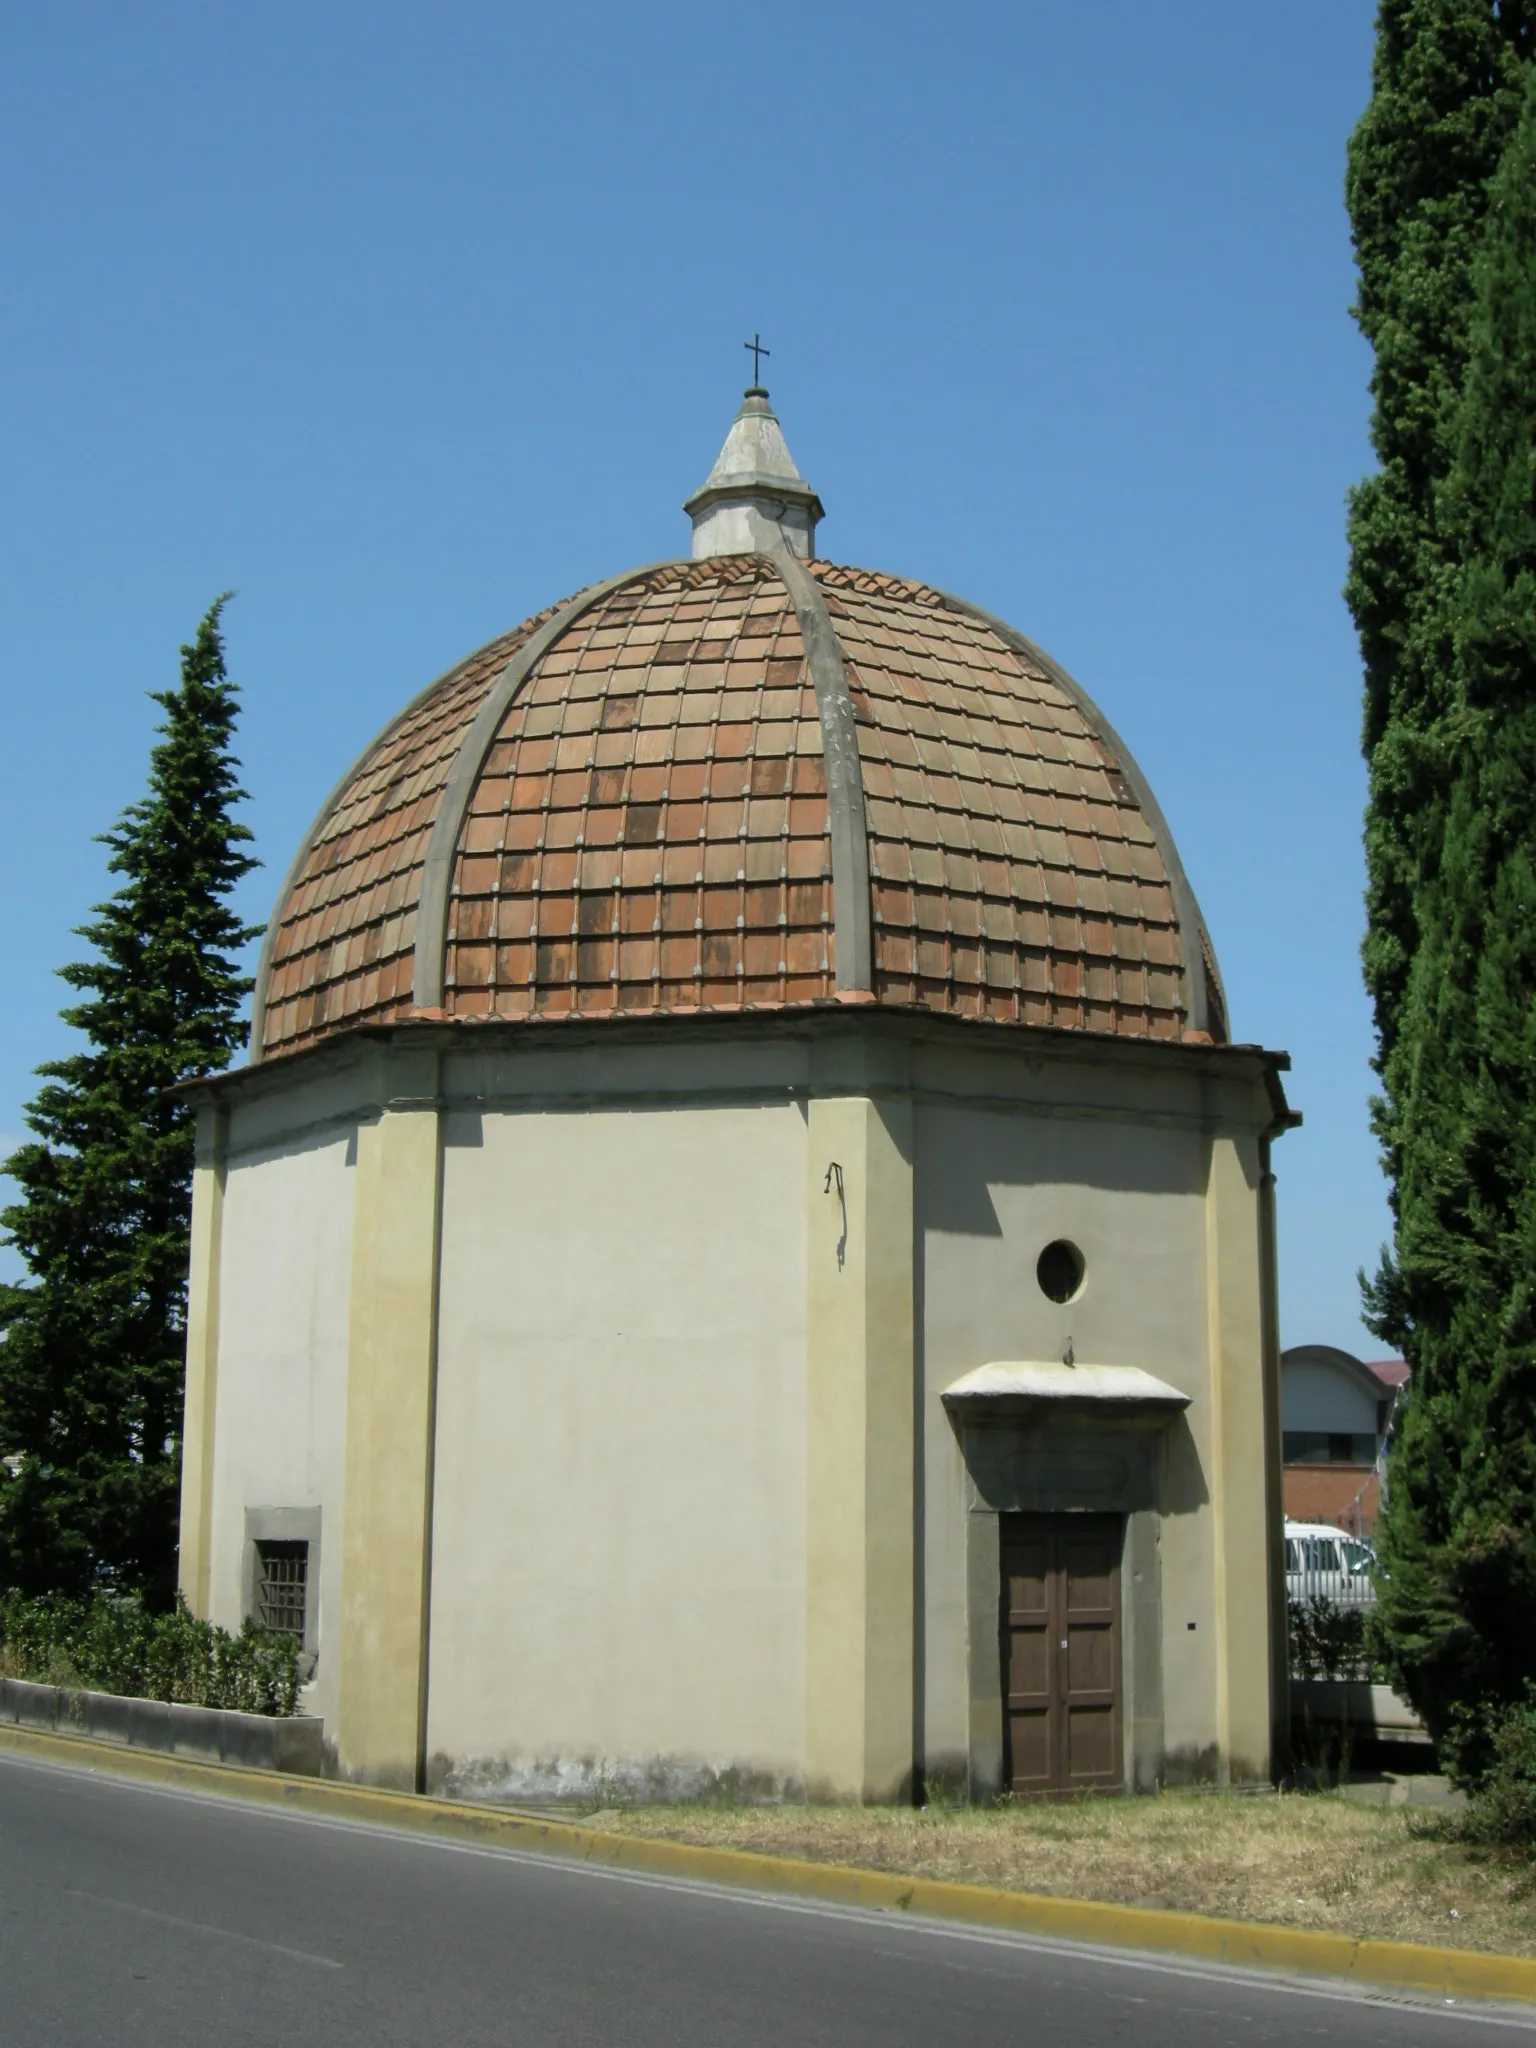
(1503, 1805)
(1328, 1641)
(113, 1644)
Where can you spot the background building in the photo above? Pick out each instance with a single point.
(1336, 1414)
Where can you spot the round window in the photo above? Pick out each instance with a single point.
(1060, 1271)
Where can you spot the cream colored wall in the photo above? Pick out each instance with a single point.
(858, 1425)
(200, 1406)
(1241, 1454)
(995, 1185)
(600, 1404)
(279, 1427)
(618, 1559)
(392, 1335)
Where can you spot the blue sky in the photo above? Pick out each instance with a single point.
(403, 321)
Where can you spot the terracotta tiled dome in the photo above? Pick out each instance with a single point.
(743, 782)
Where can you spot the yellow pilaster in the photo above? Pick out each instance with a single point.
(1240, 1325)
(387, 1514)
(1274, 1480)
(202, 1381)
(859, 1472)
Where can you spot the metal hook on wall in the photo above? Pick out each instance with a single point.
(835, 1173)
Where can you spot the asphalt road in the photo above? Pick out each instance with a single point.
(130, 1914)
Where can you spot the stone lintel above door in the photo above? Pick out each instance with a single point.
(1045, 1388)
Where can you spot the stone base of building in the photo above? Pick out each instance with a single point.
(293, 1744)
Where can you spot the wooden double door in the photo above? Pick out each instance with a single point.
(1061, 1654)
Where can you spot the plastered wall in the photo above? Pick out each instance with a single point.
(995, 1184)
(282, 1361)
(609, 1250)
(618, 1548)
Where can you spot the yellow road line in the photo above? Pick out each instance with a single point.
(1451, 1973)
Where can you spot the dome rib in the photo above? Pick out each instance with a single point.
(650, 831)
(741, 783)
(368, 831)
(448, 827)
(1194, 938)
(266, 960)
(845, 783)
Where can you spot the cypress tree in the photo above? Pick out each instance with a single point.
(1460, 1527)
(1445, 94)
(92, 1343)
(1446, 85)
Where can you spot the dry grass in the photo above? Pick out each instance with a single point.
(1300, 1859)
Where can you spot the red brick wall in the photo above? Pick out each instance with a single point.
(1346, 1495)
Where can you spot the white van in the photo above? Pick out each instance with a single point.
(1322, 1563)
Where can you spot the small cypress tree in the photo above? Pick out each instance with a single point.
(92, 1344)
(1460, 1528)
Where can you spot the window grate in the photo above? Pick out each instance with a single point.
(1329, 1447)
(282, 1587)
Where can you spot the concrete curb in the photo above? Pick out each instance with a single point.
(1450, 1973)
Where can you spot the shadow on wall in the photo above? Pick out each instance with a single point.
(1181, 1483)
(289, 1144)
(964, 1156)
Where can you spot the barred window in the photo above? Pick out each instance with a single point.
(1329, 1447)
(282, 1587)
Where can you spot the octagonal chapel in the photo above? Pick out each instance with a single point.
(743, 1253)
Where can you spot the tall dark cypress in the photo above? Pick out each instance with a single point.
(1460, 1528)
(92, 1343)
(1445, 94)
(1446, 91)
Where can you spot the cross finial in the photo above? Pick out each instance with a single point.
(756, 346)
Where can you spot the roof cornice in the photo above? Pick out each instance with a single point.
(912, 1022)
(749, 483)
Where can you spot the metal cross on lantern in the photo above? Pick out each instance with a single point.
(756, 346)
